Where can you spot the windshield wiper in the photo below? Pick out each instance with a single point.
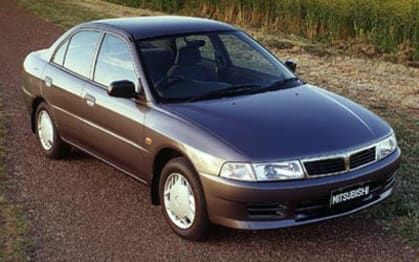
(242, 90)
(279, 84)
(229, 91)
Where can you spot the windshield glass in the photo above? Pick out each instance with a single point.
(210, 65)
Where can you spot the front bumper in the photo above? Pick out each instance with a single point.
(269, 205)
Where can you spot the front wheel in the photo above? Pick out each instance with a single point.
(183, 201)
(47, 134)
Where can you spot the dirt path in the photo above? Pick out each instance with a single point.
(83, 210)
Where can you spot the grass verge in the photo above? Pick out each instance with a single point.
(67, 13)
(14, 244)
(401, 212)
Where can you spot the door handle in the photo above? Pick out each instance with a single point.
(48, 81)
(90, 100)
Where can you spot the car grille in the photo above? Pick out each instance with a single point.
(362, 158)
(339, 164)
(325, 166)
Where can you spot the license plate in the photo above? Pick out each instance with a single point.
(346, 195)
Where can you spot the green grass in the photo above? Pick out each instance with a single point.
(399, 214)
(67, 13)
(392, 26)
(401, 211)
(63, 13)
(14, 243)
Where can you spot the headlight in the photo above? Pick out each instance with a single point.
(386, 147)
(263, 171)
(238, 171)
(279, 171)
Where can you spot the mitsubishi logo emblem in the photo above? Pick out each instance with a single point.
(346, 160)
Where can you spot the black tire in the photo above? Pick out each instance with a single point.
(198, 231)
(58, 149)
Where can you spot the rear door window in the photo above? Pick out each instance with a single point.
(81, 51)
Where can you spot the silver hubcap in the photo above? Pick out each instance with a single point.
(179, 201)
(45, 130)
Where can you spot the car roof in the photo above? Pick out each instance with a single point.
(158, 26)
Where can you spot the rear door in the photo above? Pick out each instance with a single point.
(65, 78)
(114, 127)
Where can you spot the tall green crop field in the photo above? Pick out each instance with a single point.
(390, 25)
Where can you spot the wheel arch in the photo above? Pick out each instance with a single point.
(163, 156)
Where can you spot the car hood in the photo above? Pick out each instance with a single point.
(303, 121)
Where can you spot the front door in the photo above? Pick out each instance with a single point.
(114, 127)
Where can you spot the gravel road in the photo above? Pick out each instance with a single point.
(83, 210)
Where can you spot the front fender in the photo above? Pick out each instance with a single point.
(206, 151)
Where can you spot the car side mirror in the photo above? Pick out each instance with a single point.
(291, 65)
(123, 89)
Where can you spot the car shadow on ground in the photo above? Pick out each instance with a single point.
(77, 154)
(343, 228)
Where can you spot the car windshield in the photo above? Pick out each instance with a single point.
(210, 65)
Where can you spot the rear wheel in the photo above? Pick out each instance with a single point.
(47, 134)
(183, 201)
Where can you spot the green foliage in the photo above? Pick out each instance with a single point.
(388, 24)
